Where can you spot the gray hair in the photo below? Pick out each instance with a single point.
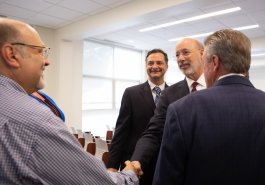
(232, 47)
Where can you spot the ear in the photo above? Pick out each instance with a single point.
(10, 55)
(201, 51)
(216, 62)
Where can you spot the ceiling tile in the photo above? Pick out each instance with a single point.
(257, 15)
(54, 1)
(235, 21)
(36, 5)
(62, 13)
(11, 11)
(251, 5)
(46, 21)
(82, 6)
(112, 3)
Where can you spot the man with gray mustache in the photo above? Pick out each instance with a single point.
(189, 58)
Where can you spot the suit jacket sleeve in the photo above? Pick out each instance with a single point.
(121, 132)
(148, 145)
(171, 160)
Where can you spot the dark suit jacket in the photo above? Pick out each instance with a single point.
(215, 136)
(147, 147)
(137, 107)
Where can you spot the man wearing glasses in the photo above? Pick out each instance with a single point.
(38, 95)
(35, 147)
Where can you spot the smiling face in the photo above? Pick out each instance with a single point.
(156, 68)
(30, 60)
(189, 58)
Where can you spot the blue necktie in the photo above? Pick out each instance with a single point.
(157, 92)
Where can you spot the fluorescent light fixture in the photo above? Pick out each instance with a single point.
(246, 27)
(205, 34)
(199, 17)
(258, 55)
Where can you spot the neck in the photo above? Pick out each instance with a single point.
(157, 82)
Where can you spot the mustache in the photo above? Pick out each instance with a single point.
(183, 63)
(155, 70)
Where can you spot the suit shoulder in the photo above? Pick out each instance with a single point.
(180, 84)
(136, 87)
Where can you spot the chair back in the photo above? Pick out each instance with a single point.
(80, 133)
(109, 135)
(91, 148)
(101, 147)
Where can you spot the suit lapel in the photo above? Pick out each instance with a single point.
(184, 88)
(147, 95)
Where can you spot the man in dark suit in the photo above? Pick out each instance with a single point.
(137, 107)
(189, 58)
(217, 136)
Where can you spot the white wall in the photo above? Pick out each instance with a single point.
(64, 75)
(48, 37)
(70, 81)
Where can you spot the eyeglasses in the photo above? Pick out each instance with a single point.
(44, 50)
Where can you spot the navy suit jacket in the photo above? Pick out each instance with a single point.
(147, 147)
(137, 107)
(215, 136)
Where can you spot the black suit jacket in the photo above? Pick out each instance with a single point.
(147, 147)
(137, 107)
(215, 136)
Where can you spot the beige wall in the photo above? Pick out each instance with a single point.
(64, 75)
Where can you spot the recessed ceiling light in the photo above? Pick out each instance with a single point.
(205, 34)
(199, 17)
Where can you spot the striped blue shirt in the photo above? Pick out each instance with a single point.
(36, 147)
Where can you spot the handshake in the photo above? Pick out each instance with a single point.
(131, 165)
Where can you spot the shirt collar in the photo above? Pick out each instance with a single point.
(230, 74)
(201, 81)
(152, 85)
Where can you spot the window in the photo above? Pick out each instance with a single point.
(107, 71)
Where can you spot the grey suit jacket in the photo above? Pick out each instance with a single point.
(215, 136)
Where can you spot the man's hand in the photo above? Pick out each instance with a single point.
(137, 167)
(129, 166)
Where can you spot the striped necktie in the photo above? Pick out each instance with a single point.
(157, 91)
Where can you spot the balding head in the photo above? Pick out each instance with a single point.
(192, 42)
(189, 57)
(21, 53)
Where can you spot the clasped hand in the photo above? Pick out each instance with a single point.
(131, 165)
